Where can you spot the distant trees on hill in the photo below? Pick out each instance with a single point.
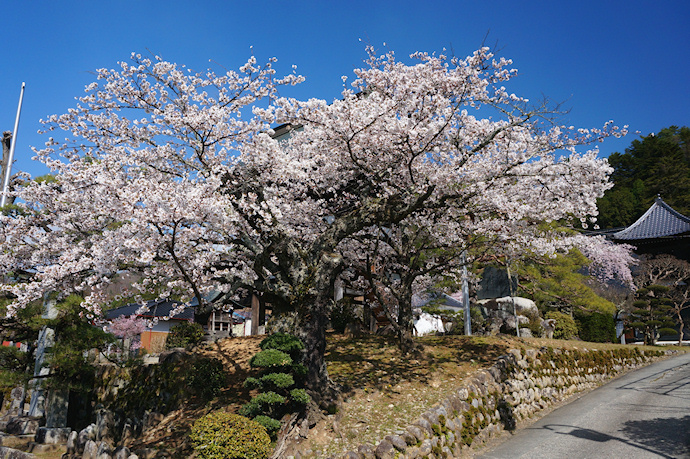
(658, 164)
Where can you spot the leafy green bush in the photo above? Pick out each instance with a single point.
(566, 328)
(207, 376)
(596, 327)
(342, 314)
(13, 366)
(222, 435)
(283, 342)
(265, 402)
(184, 334)
(271, 425)
(534, 325)
(270, 358)
(277, 381)
(300, 396)
(11, 359)
(281, 375)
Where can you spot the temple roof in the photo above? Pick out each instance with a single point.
(658, 222)
(157, 308)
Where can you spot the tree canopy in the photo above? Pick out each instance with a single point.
(166, 174)
(658, 164)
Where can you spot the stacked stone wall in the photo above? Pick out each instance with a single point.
(518, 385)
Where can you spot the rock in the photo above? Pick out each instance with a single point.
(121, 452)
(431, 416)
(425, 448)
(22, 425)
(86, 434)
(385, 450)
(424, 425)
(398, 442)
(104, 451)
(53, 436)
(526, 333)
(127, 433)
(366, 451)
(175, 355)
(72, 442)
(105, 425)
(495, 283)
(90, 450)
(17, 396)
(10, 453)
(417, 433)
(409, 438)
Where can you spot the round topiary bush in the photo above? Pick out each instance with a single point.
(223, 435)
(289, 344)
(270, 358)
(566, 328)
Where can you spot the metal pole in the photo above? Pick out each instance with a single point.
(466, 295)
(512, 299)
(8, 171)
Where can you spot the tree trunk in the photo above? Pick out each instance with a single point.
(313, 322)
(313, 309)
(680, 332)
(405, 322)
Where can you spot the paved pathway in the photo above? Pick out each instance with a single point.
(644, 414)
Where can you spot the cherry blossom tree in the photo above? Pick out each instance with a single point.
(166, 173)
(129, 328)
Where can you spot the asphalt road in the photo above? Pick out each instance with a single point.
(643, 414)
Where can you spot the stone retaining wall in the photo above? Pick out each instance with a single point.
(516, 386)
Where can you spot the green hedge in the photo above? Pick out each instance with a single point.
(222, 435)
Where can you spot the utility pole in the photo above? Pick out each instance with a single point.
(512, 299)
(10, 159)
(466, 295)
(6, 142)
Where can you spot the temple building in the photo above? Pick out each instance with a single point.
(661, 230)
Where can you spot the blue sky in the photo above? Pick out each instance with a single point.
(623, 60)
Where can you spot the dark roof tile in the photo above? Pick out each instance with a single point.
(659, 221)
(157, 308)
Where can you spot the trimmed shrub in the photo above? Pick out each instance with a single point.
(596, 327)
(566, 328)
(222, 435)
(279, 381)
(300, 396)
(265, 402)
(184, 334)
(270, 358)
(283, 342)
(271, 425)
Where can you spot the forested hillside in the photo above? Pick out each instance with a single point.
(658, 164)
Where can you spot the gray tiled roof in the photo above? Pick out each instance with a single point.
(659, 221)
(158, 308)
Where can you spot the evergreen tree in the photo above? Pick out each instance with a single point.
(652, 313)
(655, 165)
